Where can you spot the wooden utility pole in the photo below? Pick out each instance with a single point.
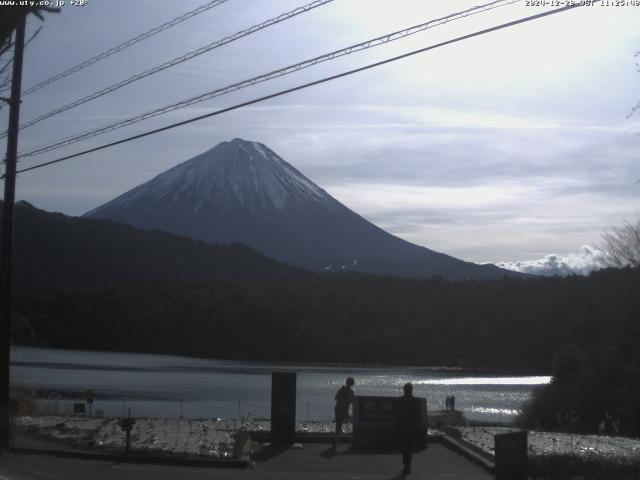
(6, 250)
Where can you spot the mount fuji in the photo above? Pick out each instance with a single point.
(241, 191)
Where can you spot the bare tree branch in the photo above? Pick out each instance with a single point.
(621, 245)
(636, 107)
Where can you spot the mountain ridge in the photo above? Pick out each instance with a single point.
(242, 191)
(54, 251)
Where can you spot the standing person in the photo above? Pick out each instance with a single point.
(344, 398)
(407, 419)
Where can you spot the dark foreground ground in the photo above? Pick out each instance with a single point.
(315, 461)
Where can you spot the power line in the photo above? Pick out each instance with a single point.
(306, 85)
(178, 60)
(125, 45)
(6, 46)
(4, 83)
(268, 76)
(10, 60)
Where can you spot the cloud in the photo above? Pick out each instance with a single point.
(583, 262)
(494, 149)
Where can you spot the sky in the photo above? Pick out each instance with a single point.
(515, 147)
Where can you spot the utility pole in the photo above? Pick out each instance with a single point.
(6, 250)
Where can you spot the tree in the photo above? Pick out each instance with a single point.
(621, 245)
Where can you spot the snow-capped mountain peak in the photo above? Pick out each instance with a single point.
(235, 174)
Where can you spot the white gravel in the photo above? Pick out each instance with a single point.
(545, 443)
(215, 437)
(205, 437)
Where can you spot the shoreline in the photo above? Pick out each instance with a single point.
(463, 367)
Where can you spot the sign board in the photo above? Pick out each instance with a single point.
(374, 422)
(283, 408)
(375, 410)
(127, 423)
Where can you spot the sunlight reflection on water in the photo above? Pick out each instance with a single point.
(495, 411)
(538, 380)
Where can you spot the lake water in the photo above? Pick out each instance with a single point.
(170, 386)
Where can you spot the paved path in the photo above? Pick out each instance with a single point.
(313, 462)
(320, 461)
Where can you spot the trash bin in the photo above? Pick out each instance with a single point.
(511, 455)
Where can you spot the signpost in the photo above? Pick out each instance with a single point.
(127, 424)
(89, 395)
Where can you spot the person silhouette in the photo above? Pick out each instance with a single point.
(344, 398)
(407, 418)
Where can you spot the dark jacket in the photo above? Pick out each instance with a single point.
(344, 398)
(407, 413)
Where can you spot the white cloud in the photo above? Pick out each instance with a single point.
(583, 262)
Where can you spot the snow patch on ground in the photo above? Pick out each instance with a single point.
(550, 443)
(204, 437)
(215, 438)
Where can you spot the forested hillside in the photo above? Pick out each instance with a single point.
(508, 323)
(54, 251)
